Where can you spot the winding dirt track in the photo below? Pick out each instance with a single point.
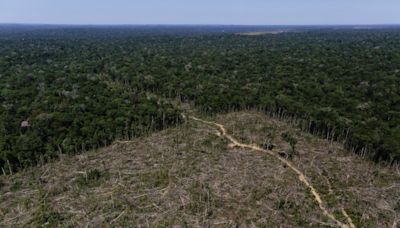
(301, 176)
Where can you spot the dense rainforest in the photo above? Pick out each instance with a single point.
(65, 90)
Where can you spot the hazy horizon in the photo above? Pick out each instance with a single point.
(239, 25)
(206, 12)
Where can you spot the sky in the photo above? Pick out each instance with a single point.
(230, 12)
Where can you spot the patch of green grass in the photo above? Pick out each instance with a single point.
(397, 206)
(268, 129)
(16, 186)
(174, 221)
(201, 199)
(158, 179)
(91, 178)
(284, 205)
(27, 203)
(57, 190)
(309, 139)
(300, 220)
(208, 141)
(293, 211)
(358, 219)
(383, 179)
(260, 193)
(45, 216)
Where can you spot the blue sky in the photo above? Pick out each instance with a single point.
(256, 12)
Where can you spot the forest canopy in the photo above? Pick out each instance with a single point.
(71, 89)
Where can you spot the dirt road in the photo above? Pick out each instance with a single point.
(317, 197)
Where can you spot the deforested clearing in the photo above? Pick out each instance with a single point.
(189, 175)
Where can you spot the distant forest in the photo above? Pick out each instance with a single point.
(66, 89)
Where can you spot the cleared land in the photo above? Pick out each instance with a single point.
(284, 159)
(190, 176)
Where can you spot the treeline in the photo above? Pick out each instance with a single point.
(81, 88)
